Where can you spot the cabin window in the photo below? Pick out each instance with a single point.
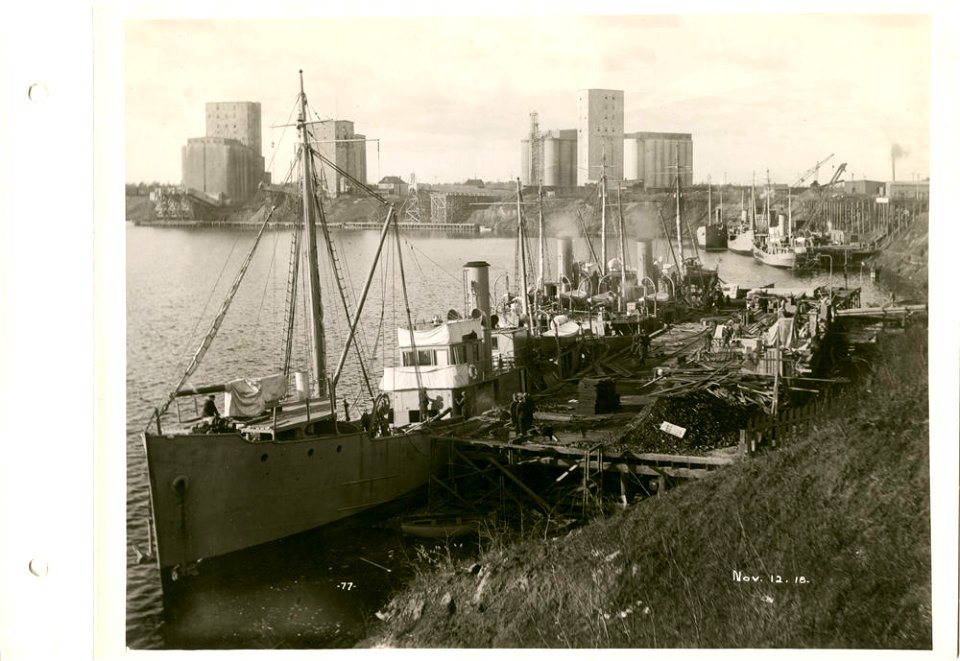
(423, 357)
(495, 342)
(458, 354)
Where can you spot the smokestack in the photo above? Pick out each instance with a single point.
(478, 282)
(896, 151)
(565, 263)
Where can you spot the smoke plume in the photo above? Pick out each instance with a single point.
(896, 151)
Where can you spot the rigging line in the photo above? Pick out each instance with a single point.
(362, 186)
(276, 149)
(414, 249)
(361, 338)
(335, 267)
(290, 302)
(663, 224)
(586, 235)
(218, 320)
(267, 281)
(189, 339)
(431, 293)
(413, 341)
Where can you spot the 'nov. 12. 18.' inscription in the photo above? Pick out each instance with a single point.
(742, 577)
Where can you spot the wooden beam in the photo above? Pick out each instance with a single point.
(537, 499)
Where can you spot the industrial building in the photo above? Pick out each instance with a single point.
(574, 157)
(555, 162)
(453, 207)
(863, 187)
(237, 120)
(903, 190)
(336, 141)
(599, 134)
(221, 168)
(652, 158)
(226, 165)
(392, 185)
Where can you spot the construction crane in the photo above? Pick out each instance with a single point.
(836, 175)
(815, 170)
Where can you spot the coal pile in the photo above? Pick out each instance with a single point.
(710, 423)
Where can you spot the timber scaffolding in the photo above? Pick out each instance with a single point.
(574, 461)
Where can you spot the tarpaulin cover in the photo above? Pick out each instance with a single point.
(431, 376)
(246, 398)
(567, 329)
(445, 334)
(783, 327)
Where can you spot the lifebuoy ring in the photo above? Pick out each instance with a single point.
(473, 371)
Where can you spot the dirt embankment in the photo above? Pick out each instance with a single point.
(902, 263)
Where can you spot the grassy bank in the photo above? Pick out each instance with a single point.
(842, 517)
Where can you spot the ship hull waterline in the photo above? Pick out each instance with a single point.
(742, 243)
(780, 260)
(712, 238)
(213, 494)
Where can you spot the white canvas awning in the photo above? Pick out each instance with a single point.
(432, 377)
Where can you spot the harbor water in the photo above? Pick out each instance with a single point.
(319, 589)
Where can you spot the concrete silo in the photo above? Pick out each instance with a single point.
(551, 160)
(525, 162)
(631, 159)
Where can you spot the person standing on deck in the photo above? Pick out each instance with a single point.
(424, 404)
(515, 412)
(210, 408)
(436, 406)
(462, 405)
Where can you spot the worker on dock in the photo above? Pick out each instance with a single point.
(525, 413)
(436, 406)
(643, 345)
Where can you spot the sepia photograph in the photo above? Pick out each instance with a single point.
(579, 327)
(527, 331)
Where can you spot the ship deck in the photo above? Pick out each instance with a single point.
(290, 415)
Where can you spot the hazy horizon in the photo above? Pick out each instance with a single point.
(449, 97)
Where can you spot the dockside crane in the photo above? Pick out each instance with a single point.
(815, 170)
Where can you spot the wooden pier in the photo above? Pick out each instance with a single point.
(439, 228)
(423, 228)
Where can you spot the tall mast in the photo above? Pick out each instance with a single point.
(766, 202)
(720, 212)
(314, 305)
(789, 214)
(524, 303)
(710, 219)
(603, 216)
(623, 249)
(753, 202)
(540, 234)
(679, 228)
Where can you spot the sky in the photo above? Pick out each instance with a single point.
(449, 97)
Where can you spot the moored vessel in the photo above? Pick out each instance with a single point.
(280, 460)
